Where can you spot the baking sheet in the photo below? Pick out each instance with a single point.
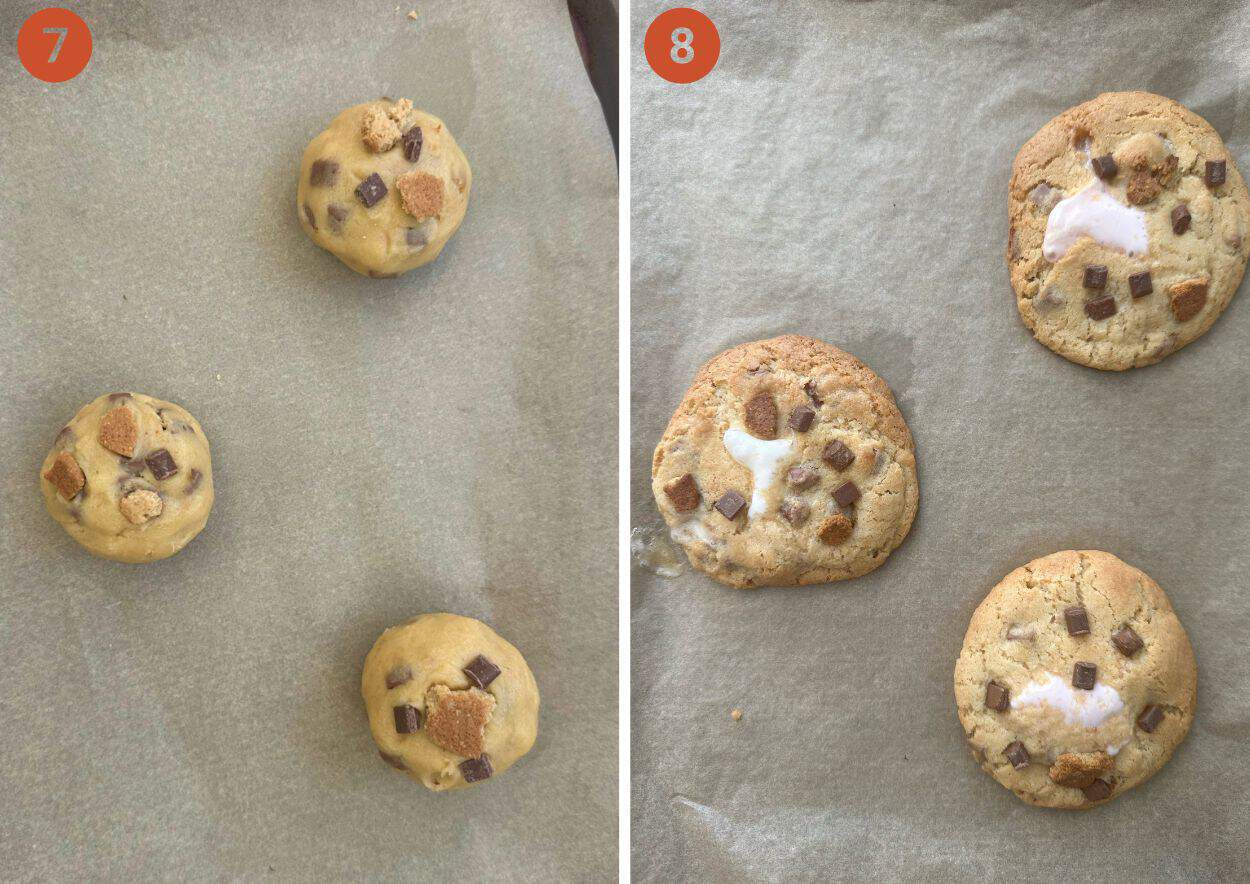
(843, 173)
(443, 441)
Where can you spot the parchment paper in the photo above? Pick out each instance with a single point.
(382, 448)
(843, 173)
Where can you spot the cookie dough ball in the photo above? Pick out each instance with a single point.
(450, 703)
(1128, 235)
(787, 463)
(130, 478)
(1076, 680)
(384, 188)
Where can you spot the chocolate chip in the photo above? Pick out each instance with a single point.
(794, 511)
(407, 719)
(683, 493)
(997, 697)
(412, 144)
(761, 415)
(801, 418)
(1096, 276)
(800, 478)
(836, 529)
(1181, 219)
(475, 769)
(161, 463)
(1017, 755)
(481, 671)
(337, 215)
(1105, 167)
(1150, 718)
(1102, 308)
(838, 455)
(1140, 284)
(312, 219)
(1084, 675)
(846, 493)
(371, 190)
(1098, 790)
(397, 676)
(1077, 620)
(1217, 172)
(1127, 641)
(730, 504)
(393, 760)
(323, 173)
(810, 389)
(415, 237)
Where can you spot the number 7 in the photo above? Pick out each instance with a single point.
(56, 50)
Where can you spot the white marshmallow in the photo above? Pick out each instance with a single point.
(1087, 708)
(762, 457)
(1094, 212)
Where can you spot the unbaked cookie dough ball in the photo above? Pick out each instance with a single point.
(450, 703)
(383, 188)
(130, 478)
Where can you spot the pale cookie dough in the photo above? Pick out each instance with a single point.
(1076, 680)
(383, 188)
(1129, 224)
(130, 478)
(450, 703)
(787, 463)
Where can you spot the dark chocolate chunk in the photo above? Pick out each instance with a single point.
(416, 237)
(761, 415)
(1084, 675)
(412, 144)
(1217, 172)
(1098, 790)
(161, 463)
(794, 511)
(1096, 276)
(1140, 284)
(810, 389)
(683, 493)
(393, 760)
(1105, 167)
(407, 719)
(996, 697)
(481, 671)
(1017, 755)
(323, 173)
(1181, 219)
(838, 455)
(846, 493)
(475, 769)
(1102, 308)
(730, 504)
(337, 215)
(1150, 718)
(371, 190)
(800, 478)
(801, 418)
(1077, 620)
(397, 676)
(1127, 641)
(134, 466)
(312, 219)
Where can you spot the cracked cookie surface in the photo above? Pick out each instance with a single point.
(786, 463)
(1128, 230)
(1076, 680)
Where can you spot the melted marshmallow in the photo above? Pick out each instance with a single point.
(689, 532)
(1094, 212)
(762, 457)
(1086, 708)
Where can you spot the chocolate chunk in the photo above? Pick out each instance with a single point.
(1077, 620)
(1084, 675)
(407, 719)
(312, 219)
(393, 760)
(838, 455)
(118, 397)
(412, 144)
(836, 529)
(415, 237)
(1188, 298)
(761, 415)
(683, 493)
(475, 769)
(1128, 641)
(1140, 284)
(1096, 276)
(846, 493)
(481, 671)
(337, 215)
(1017, 755)
(193, 481)
(1105, 167)
(161, 463)
(801, 418)
(800, 478)
(794, 511)
(1098, 790)
(66, 475)
(135, 466)
(1102, 308)
(730, 504)
(371, 190)
(997, 697)
(1217, 172)
(323, 173)
(1150, 718)
(397, 676)
(810, 389)
(1181, 219)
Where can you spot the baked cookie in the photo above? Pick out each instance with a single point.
(1076, 680)
(383, 188)
(450, 703)
(130, 478)
(787, 463)
(1128, 234)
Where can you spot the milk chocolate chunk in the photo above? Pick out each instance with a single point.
(193, 480)
(401, 674)
(846, 493)
(415, 237)
(475, 769)
(66, 475)
(1140, 284)
(730, 504)
(801, 478)
(810, 389)
(371, 190)
(161, 463)
(683, 493)
(336, 215)
(1105, 167)
(801, 418)
(996, 697)
(761, 416)
(1102, 308)
(794, 511)
(323, 174)
(407, 719)
(1127, 641)
(1096, 276)
(135, 466)
(1017, 755)
(1098, 790)
(481, 671)
(1181, 219)
(837, 455)
(312, 219)
(1150, 718)
(836, 529)
(1217, 172)
(393, 760)
(119, 431)
(1084, 675)
(1188, 298)
(412, 144)
(1077, 620)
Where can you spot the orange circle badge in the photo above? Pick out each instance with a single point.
(682, 45)
(54, 45)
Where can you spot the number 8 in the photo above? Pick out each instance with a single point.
(683, 46)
